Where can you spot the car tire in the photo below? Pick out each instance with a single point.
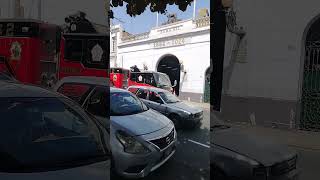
(176, 121)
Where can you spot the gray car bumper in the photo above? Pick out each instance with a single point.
(139, 166)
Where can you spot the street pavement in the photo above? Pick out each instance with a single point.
(191, 160)
(308, 163)
(307, 144)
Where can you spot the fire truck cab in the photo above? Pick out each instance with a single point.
(40, 53)
(24, 44)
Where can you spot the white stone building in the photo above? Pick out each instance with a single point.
(180, 49)
(267, 78)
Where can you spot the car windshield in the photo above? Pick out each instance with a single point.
(163, 80)
(124, 103)
(169, 97)
(51, 126)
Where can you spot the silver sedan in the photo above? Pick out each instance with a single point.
(141, 139)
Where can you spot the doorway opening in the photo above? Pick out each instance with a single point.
(170, 65)
(206, 93)
(310, 101)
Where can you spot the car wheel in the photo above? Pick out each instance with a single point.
(176, 121)
(217, 174)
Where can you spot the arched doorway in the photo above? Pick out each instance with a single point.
(206, 93)
(170, 65)
(310, 101)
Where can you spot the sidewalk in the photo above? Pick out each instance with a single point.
(294, 138)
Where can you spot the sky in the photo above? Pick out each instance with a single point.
(54, 11)
(147, 20)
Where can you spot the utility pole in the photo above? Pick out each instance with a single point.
(218, 23)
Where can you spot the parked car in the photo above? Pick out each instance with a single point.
(141, 139)
(169, 105)
(236, 154)
(44, 135)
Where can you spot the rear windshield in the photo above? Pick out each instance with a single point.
(41, 133)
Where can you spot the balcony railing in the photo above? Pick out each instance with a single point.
(136, 37)
(202, 22)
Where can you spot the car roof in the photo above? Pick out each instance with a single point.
(113, 89)
(100, 81)
(12, 89)
(155, 89)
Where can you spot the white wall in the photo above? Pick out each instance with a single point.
(275, 32)
(195, 55)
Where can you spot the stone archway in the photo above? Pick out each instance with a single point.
(310, 99)
(170, 65)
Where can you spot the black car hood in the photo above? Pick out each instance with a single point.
(261, 149)
(183, 106)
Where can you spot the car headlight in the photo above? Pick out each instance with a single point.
(246, 159)
(130, 144)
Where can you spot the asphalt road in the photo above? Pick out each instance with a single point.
(308, 164)
(191, 160)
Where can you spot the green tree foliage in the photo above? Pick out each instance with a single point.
(137, 7)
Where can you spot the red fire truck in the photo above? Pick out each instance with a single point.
(39, 53)
(123, 78)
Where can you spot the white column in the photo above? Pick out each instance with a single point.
(194, 8)
(157, 19)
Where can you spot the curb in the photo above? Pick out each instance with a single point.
(295, 139)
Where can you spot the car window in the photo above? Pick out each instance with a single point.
(74, 50)
(46, 133)
(75, 91)
(153, 96)
(124, 103)
(142, 93)
(169, 97)
(149, 79)
(97, 103)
